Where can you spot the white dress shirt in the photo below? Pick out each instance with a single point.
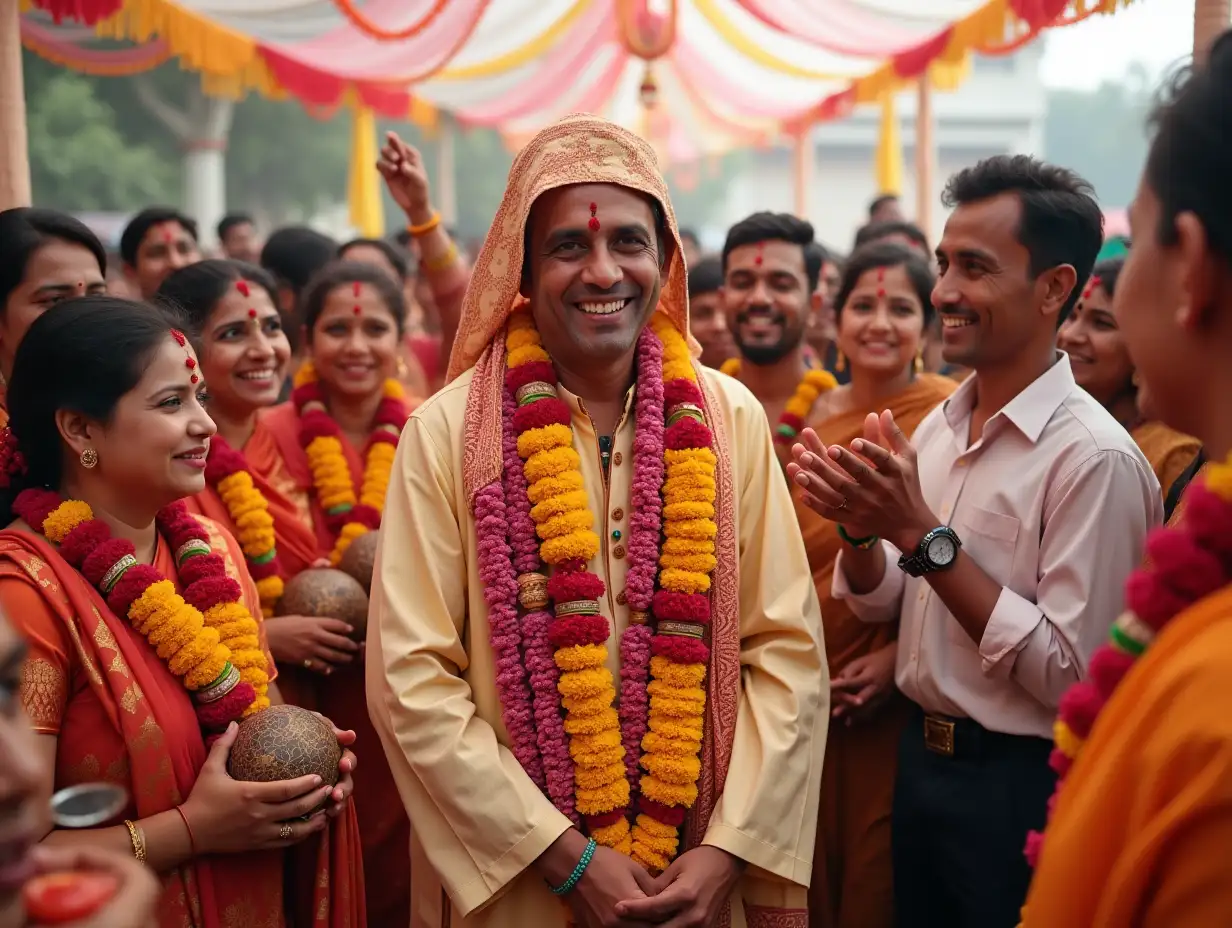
(1054, 502)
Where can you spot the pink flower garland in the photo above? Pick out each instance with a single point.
(645, 525)
(500, 589)
(539, 663)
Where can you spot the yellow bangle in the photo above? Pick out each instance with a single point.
(138, 839)
(444, 261)
(426, 227)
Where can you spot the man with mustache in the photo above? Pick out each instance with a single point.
(594, 654)
(771, 269)
(999, 539)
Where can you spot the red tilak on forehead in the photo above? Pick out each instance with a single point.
(355, 287)
(881, 275)
(357, 310)
(242, 287)
(880, 291)
(594, 219)
(189, 362)
(252, 314)
(760, 257)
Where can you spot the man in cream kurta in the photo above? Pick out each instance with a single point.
(479, 821)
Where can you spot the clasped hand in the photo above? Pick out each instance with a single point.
(690, 893)
(871, 488)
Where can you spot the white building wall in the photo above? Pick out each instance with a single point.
(999, 109)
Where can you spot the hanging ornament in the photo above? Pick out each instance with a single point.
(648, 92)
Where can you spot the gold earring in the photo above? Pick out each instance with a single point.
(918, 364)
(840, 362)
(89, 458)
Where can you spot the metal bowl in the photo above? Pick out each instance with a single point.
(87, 805)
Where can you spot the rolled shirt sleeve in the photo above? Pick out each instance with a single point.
(1095, 528)
(479, 817)
(881, 604)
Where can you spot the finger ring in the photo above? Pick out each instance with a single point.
(307, 663)
(284, 833)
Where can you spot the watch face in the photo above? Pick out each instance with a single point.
(941, 550)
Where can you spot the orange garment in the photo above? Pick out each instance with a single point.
(294, 536)
(852, 879)
(383, 825)
(1168, 451)
(118, 714)
(1143, 824)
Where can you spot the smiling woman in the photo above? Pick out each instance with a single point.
(143, 625)
(333, 444)
(1102, 366)
(45, 256)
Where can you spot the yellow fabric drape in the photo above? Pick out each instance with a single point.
(523, 54)
(889, 150)
(364, 189)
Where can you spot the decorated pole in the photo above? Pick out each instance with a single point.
(925, 155)
(446, 181)
(802, 158)
(1211, 17)
(14, 158)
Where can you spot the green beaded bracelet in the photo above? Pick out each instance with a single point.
(862, 543)
(576, 875)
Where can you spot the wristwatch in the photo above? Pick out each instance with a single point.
(938, 550)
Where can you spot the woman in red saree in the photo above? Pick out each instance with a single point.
(107, 418)
(353, 317)
(229, 309)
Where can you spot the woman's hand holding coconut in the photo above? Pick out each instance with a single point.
(227, 815)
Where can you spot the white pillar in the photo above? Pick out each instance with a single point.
(205, 167)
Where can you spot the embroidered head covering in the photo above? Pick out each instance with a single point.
(579, 149)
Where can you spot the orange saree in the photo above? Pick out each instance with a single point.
(384, 829)
(851, 885)
(1168, 451)
(118, 714)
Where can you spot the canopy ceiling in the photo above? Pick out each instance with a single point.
(720, 73)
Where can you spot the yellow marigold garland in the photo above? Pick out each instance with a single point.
(227, 471)
(215, 652)
(350, 513)
(564, 523)
(796, 412)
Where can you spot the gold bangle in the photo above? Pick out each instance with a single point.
(426, 227)
(138, 839)
(444, 261)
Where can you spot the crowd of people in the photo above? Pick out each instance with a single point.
(773, 587)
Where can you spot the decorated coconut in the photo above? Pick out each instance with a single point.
(360, 558)
(282, 743)
(323, 591)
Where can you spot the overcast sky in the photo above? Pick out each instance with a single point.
(1155, 32)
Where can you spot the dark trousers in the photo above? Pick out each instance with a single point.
(960, 822)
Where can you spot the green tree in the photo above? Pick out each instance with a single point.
(79, 160)
(1101, 134)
